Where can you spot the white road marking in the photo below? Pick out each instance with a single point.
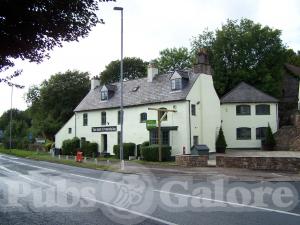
(24, 177)
(174, 193)
(131, 211)
(229, 203)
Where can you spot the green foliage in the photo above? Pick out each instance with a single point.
(150, 153)
(48, 114)
(145, 143)
(30, 29)
(70, 146)
(128, 150)
(48, 145)
(244, 51)
(89, 149)
(133, 68)
(221, 144)
(269, 142)
(172, 59)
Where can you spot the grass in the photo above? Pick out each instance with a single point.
(43, 156)
(166, 163)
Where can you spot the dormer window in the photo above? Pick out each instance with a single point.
(176, 84)
(104, 95)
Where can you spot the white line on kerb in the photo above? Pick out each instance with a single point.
(226, 202)
(131, 211)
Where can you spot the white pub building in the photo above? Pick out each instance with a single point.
(191, 94)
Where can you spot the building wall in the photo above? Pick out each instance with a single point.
(64, 134)
(231, 121)
(134, 131)
(206, 123)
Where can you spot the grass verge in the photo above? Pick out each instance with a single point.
(43, 156)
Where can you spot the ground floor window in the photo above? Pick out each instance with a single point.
(165, 137)
(243, 133)
(261, 133)
(195, 140)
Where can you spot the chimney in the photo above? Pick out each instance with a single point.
(152, 72)
(202, 63)
(94, 83)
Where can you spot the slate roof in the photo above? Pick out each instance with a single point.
(157, 91)
(245, 93)
(295, 70)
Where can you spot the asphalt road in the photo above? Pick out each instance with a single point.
(33, 192)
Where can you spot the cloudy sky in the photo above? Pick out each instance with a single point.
(150, 26)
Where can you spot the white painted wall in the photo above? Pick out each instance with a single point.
(63, 133)
(231, 121)
(207, 120)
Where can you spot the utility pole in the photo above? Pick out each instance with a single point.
(10, 121)
(159, 120)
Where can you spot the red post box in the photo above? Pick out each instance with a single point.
(79, 157)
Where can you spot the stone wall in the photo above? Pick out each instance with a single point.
(192, 160)
(259, 163)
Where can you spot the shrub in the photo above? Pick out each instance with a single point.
(128, 150)
(145, 143)
(90, 149)
(221, 142)
(70, 146)
(269, 142)
(48, 145)
(150, 153)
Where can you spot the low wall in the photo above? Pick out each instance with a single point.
(259, 163)
(192, 160)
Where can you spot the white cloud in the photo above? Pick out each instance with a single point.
(150, 26)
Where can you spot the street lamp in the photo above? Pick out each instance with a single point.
(121, 89)
(10, 120)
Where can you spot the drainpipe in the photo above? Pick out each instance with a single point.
(190, 129)
(75, 125)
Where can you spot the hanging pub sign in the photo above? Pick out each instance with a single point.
(151, 124)
(104, 129)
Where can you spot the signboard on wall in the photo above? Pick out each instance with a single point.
(104, 129)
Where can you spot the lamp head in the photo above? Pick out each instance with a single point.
(118, 8)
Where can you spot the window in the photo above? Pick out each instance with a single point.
(262, 109)
(70, 131)
(176, 84)
(161, 113)
(85, 119)
(119, 137)
(104, 95)
(165, 137)
(243, 133)
(193, 110)
(143, 117)
(243, 110)
(103, 118)
(195, 140)
(261, 133)
(119, 117)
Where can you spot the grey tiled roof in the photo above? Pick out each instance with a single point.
(295, 70)
(245, 93)
(159, 90)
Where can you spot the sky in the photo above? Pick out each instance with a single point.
(150, 26)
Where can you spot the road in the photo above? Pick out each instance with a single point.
(35, 192)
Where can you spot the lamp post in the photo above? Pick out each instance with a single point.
(10, 121)
(121, 89)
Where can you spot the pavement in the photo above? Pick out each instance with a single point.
(37, 192)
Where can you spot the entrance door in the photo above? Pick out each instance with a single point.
(104, 142)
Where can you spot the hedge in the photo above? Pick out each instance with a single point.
(70, 146)
(128, 150)
(150, 153)
(89, 149)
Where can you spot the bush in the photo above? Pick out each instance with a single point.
(221, 142)
(150, 153)
(90, 149)
(48, 145)
(70, 146)
(128, 150)
(145, 143)
(269, 142)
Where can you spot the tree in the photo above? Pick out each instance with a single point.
(30, 29)
(245, 51)
(293, 57)
(221, 144)
(133, 68)
(172, 59)
(52, 103)
(269, 142)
